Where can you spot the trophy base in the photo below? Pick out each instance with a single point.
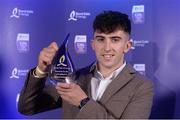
(61, 80)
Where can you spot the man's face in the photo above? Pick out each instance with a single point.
(110, 48)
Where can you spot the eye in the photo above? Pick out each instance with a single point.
(100, 39)
(115, 40)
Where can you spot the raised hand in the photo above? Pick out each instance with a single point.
(46, 56)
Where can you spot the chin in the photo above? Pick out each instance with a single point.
(107, 65)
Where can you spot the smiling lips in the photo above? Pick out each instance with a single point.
(108, 56)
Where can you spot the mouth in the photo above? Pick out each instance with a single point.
(108, 56)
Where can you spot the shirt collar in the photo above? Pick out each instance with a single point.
(112, 75)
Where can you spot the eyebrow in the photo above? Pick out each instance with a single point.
(99, 36)
(112, 37)
(116, 37)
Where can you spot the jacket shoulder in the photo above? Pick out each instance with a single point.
(138, 78)
(84, 71)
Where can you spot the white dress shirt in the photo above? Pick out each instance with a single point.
(99, 83)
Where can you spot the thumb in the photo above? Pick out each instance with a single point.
(53, 45)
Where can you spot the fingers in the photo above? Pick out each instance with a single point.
(71, 92)
(46, 56)
(65, 92)
(65, 87)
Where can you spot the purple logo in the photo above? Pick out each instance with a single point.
(138, 14)
(22, 42)
(80, 44)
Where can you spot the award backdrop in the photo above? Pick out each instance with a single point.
(28, 26)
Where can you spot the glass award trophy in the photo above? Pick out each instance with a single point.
(62, 68)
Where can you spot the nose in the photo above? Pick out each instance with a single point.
(107, 45)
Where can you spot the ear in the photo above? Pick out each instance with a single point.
(128, 46)
(92, 44)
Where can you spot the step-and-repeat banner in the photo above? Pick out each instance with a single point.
(28, 26)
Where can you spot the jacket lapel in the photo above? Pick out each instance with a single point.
(85, 79)
(122, 79)
(89, 84)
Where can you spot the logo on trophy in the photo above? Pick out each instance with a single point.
(62, 68)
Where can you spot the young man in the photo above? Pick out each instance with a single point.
(108, 89)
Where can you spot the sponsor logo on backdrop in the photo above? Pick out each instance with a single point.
(74, 15)
(16, 13)
(138, 16)
(80, 44)
(141, 68)
(22, 42)
(17, 73)
(139, 43)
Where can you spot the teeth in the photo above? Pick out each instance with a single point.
(107, 56)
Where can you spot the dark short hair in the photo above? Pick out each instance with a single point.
(109, 21)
